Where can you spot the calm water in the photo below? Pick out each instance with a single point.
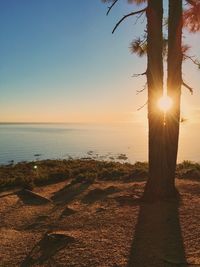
(20, 142)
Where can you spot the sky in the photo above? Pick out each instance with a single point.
(59, 62)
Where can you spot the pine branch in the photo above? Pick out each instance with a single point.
(142, 90)
(110, 7)
(188, 87)
(191, 2)
(142, 106)
(139, 46)
(195, 61)
(128, 15)
(138, 17)
(139, 74)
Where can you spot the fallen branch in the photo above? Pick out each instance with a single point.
(128, 15)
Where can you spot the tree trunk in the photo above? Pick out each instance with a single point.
(155, 186)
(163, 129)
(174, 83)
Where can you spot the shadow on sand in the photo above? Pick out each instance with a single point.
(157, 240)
(70, 192)
(31, 198)
(46, 248)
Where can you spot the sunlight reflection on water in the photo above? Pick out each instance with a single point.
(22, 142)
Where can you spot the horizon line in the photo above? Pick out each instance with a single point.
(64, 122)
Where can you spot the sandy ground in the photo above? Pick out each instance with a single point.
(100, 224)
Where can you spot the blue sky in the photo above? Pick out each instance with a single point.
(60, 62)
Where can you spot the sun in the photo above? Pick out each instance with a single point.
(165, 103)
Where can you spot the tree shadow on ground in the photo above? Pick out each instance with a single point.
(157, 240)
(46, 248)
(31, 198)
(99, 194)
(70, 192)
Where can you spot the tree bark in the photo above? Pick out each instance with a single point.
(174, 83)
(163, 128)
(155, 184)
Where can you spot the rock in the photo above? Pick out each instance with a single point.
(100, 209)
(47, 247)
(55, 241)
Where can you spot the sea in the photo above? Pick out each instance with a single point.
(125, 141)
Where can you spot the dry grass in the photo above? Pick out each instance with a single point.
(25, 175)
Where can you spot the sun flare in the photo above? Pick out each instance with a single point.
(165, 103)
